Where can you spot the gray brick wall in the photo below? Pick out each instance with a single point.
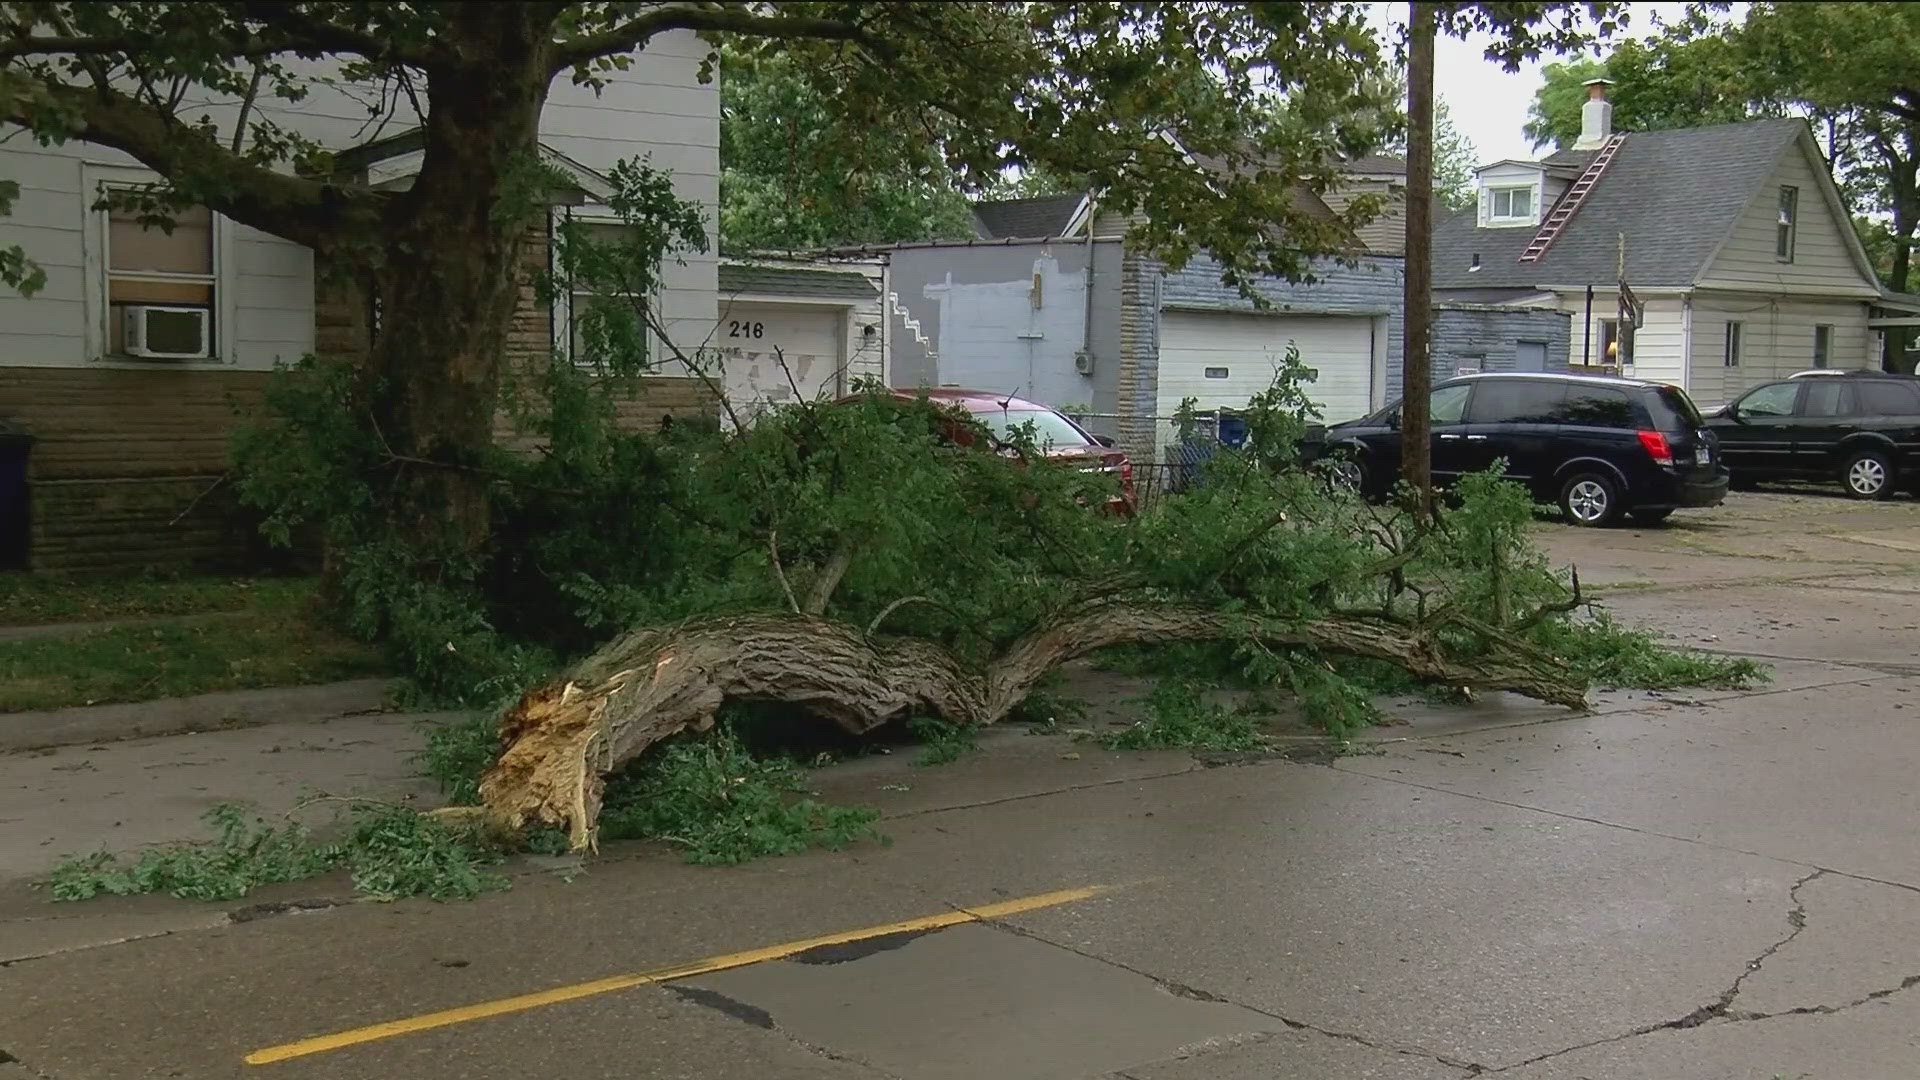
(1488, 338)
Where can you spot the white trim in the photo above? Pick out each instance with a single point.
(1082, 217)
(93, 243)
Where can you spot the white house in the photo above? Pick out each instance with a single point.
(1733, 238)
(132, 433)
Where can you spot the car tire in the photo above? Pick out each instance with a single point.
(1651, 517)
(1346, 472)
(1867, 475)
(1591, 500)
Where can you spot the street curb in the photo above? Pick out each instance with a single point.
(202, 712)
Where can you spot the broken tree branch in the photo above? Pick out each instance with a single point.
(562, 739)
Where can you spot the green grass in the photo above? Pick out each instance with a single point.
(1179, 717)
(39, 599)
(390, 852)
(266, 635)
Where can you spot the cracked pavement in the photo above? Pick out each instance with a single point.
(1688, 885)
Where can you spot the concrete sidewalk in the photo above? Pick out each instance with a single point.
(119, 796)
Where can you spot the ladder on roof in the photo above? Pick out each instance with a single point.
(1563, 211)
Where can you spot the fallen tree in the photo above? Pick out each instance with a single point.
(563, 738)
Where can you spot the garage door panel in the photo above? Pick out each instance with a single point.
(755, 339)
(1249, 349)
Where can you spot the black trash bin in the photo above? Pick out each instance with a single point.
(15, 527)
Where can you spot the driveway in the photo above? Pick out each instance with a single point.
(1713, 885)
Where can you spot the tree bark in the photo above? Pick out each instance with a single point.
(561, 740)
(1416, 451)
(448, 284)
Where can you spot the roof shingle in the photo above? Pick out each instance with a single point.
(1026, 219)
(1675, 194)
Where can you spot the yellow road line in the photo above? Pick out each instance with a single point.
(321, 1044)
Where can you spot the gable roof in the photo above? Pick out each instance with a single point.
(1675, 194)
(1027, 219)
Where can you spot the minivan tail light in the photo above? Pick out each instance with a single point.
(1657, 447)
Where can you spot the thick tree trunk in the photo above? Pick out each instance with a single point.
(561, 740)
(447, 287)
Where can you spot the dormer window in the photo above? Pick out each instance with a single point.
(1512, 204)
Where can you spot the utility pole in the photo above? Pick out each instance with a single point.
(1416, 376)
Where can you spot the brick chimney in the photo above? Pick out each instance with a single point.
(1596, 116)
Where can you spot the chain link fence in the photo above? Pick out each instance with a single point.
(1169, 454)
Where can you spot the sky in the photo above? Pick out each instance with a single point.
(1488, 104)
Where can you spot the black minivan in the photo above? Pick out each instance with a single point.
(1600, 447)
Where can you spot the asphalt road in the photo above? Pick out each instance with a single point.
(1711, 885)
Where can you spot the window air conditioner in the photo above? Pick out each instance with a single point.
(167, 333)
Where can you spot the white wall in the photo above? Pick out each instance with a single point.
(656, 109)
(1822, 256)
(1659, 349)
(1776, 341)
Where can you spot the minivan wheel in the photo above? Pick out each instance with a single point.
(1867, 475)
(1590, 499)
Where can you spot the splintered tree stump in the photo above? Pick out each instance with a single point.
(561, 740)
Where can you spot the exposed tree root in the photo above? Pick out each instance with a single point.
(561, 740)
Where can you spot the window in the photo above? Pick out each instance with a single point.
(1885, 397)
(1822, 345)
(1828, 397)
(604, 320)
(1216, 373)
(1770, 401)
(1516, 401)
(1512, 204)
(1784, 228)
(1448, 404)
(1597, 406)
(1609, 341)
(1733, 345)
(171, 273)
(1673, 410)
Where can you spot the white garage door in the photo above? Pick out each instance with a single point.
(1222, 360)
(754, 339)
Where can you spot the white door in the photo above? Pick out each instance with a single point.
(776, 353)
(1222, 360)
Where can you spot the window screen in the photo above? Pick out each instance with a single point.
(1516, 401)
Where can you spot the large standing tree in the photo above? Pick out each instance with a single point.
(1127, 94)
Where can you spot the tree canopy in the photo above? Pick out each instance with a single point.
(794, 177)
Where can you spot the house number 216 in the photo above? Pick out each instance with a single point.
(738, 329)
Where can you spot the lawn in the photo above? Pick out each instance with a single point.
(209, 634)
(39, 599)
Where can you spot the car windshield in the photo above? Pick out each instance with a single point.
(1673, 410)
(1049, 427)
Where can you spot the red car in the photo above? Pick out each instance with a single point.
(1057, 436)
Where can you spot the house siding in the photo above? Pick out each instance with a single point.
(1776, 341)
(1387, 232)
(1488, 338)
(1659, 345)
(1822, 256)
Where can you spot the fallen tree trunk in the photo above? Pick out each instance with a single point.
(561, 740)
